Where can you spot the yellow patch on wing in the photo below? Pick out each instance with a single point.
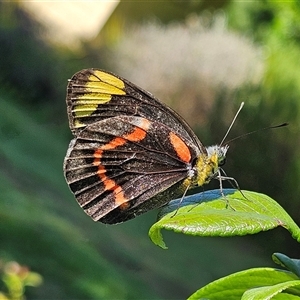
(103, 87)
(84, 110)
(99, 89)
(101, 82)
(78, 124)
(86, 104)
(108, 78)
(93, 98)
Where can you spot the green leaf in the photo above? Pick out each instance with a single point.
(291, 264)
(211, 214)
(235, 285)
(268, 292)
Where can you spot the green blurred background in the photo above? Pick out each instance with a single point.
(203, 58)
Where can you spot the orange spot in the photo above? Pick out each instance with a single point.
(182, 150)
(101, 171)
(124, 205)
(110, 184)
(97, 155)
(140, 132)
(137, 135)
(116, 142)
(120, 198)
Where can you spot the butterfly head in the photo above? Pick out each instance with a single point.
(208, 165)
(217, 154)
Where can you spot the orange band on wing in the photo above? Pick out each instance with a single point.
(110, 184)
(180, 147)
(124, 205)
(139, 132)
(116, 142)
(97, 156)
(137, 135)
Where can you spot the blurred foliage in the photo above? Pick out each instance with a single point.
(128, 13)
(167, 11)
(275, 26)
(30, 67)
(267, 20)
(191, 62)
(178, 80)
(15, 279)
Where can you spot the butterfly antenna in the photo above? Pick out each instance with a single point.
(254, 131)
(228, 130)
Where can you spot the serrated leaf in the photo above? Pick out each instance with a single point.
(268, 292)
(291, 264)
(211, 214)
(233, 287)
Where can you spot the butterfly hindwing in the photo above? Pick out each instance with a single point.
(116, 165)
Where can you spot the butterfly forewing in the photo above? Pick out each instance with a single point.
(94, 95)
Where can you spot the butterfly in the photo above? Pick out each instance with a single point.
(130, 153)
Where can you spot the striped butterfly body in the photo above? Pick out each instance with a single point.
(130, 152)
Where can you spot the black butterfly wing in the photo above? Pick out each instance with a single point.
(94, 95)
(123, 166)
(131, 152)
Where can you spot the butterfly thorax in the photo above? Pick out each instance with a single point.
(208, 164)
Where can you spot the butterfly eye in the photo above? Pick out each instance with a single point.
(222, 161)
